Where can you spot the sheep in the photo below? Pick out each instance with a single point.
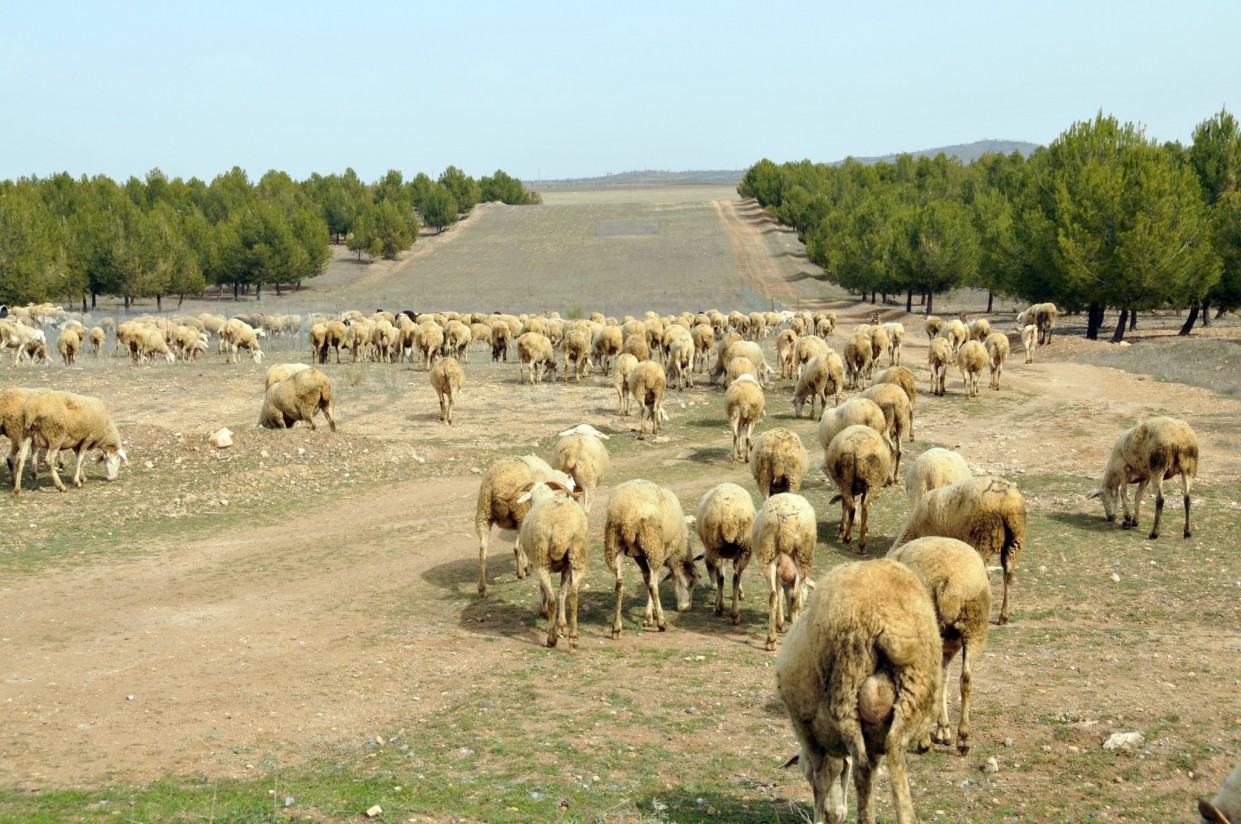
(279, 371)
(625, 364)
(855, 410)
(704, 341)
(783, 535)
(723, 521)
(147, 342)
(933, 469)
(879, 343)
(239, 335)
(934, 327)
(858, 357)
(979, 329)
(12, 423)
(298, 398)
(581, 455)
(606, 345)
(1043, 316)
(498, 504)
(896, 335)
(680, 354)
(996, 345)
(647, 384)
(786, 346)
(824, 327)
(859, 462)
(431, 340)
(897, 413)
(971, 359)
(553, 538)
(937, 359)
(535, 353)
(97, 338)
(778, 462)
(806, 348)
(63, 420)
(722, 356)
(1029, 333)
(500, 336)
(68, 344)
(577, 350)
(754, 352)
(904, 378)
(739, 366)
(824, 374)
(637, 346)
(745, 405)
(956, 578)
(859, 675)
(188, 342)
(986, 512)
(447, 378)
(645, 522)
(1225, 808)
(1155, 449)
(456, 339)
(19, 338)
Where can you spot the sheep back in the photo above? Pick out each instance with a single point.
(778, 461)
(298, 398)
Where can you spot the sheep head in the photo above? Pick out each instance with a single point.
(111, 460)
(830, 785)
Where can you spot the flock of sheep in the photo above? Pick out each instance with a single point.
(863, 665)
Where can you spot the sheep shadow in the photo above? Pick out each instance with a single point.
(713, 455)
(683, 806)
(1081, 520)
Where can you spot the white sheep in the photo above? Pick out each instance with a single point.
(535, 354)
(786, 352)
(956, 333)
(858, 675)
(625, 364)
(1225, 808)
(68, 343)
(996, 345)
(979, 329)
(606, 345)
(581, 455)
(823, 375)
(723, 521)
(645, 522)
(279, 371)
(806, 349)
(778, 462)
(63, 420)
(298, 397)
(236, 334)
(576, 350)
(898, 415)
(933, 469)
(855, 410)
(1155, 449)
(680, 355)
(934, 327)
(553, 538)
(1042, 316)
(647, 384)
(859, 462)
(782, 539)
(497, 504)
(972, 359)
(956, 578)
(987, 513)
(745, 405)
(858, 359)
(447, 378)
(938, 357)
(1029, 334)
(896, 336)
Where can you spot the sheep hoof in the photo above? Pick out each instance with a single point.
(963, 746)
(736, 617)
(1153, 535)
(551, 642)
(941, 735)
(1188, 533)
(771, 645)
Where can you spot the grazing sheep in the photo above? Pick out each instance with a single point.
(704, 341)
(553, 538)
(722, 355)
(1225, 808)
(859, 675)
(745, 405)
(298, 398)
(647, 384)
(680, 354)
(63, 420)
(97, 338)
(807, 348)
(896, 336)
(934, 327)
(786, 352)
(68, 344)
(237, 334)
(645, 522)
(1029, 334)
(606, 345)
(752, 351)
(778, 462)
(576, 350)
(937, 360)
(447, 378)
(500, 336)
(824, 374)
(933, 469)
(625, 364)
(979, 329)
(581, 455)
(12, 424)
(20, 338)
(536, 354)
(858, 359)
(498, 504)
(279, 371)
(997, 353)
(898, 415)
(1153, 450)
(987, 513)
(723, 521)
(739, 366)
(956, 578)
(783, 535)
(972, 359)
(859, 462)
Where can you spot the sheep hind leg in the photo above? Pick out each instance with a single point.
(327, 413)
(773, 604)
(27, 448)
(1186, 482)
(79, 477)
(484, 531)
(53, 451)
(620, 592)
(736, 613)
(572, 611)
(654, 615)
(963, 726)
(552, 606)
(1158, 507)
(716, 572)
(863, 508)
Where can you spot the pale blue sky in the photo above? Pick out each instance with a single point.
(568, 89)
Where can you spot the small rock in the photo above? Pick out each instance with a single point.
(661, 439)
(1115, 578)
(149, 464)
(374, 811)
(991, 765)
(221, 438)
(288, 801)
(1124, 741)
(1008, 742)
(129, 698)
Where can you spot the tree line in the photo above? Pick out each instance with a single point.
(71, 239)
(1102, 218)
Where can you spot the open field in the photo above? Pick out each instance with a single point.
(289, 629)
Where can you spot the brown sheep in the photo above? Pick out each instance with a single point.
(298, 398)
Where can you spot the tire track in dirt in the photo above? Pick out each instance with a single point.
(758, 268)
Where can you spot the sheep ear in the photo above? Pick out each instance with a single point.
(525, 496)
(796, 759)
(700, 556)
(1211, 813)
(1097, 493)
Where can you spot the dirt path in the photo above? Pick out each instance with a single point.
(758, 267)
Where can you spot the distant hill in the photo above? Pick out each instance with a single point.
(967, 152)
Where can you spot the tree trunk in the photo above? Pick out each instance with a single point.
(84, 303)
(1119, 334)
(93, 296)
(909, 300)
(277, 288)
(1133, 319)
(930, 301)
(258, 290)
(1094, 320)
(1188, 326)
(236, 289)
(1206, 312)
(126, 303)
(180, 299)
(872, 298)
(990, 300)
